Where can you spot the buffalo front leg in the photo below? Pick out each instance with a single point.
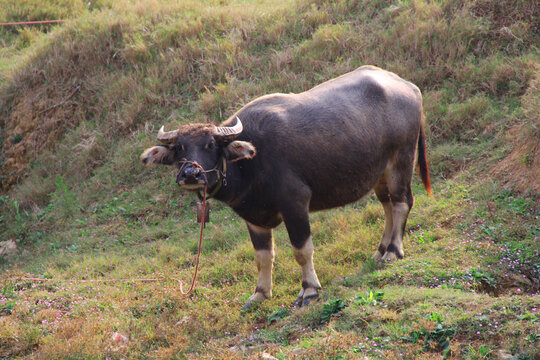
(310, 282)
(297, 224)
(263, 243)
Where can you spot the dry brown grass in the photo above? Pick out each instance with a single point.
(510, 14)
(130, 74)
(520, 169)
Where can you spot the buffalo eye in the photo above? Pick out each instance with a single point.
(210, 146)
(179, 148)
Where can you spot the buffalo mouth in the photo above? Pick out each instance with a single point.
(192, 186)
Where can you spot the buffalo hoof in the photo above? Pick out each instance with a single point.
(302, 301)
(390, 256)
(377, 256)
(250, 305)
(253, 300)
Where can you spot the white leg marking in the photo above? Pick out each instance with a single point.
(265, 262)
(387, 234)
(388, 223)
(304, 257)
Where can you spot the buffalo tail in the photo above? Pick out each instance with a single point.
(423, 168)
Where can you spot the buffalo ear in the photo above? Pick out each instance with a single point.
(158, 155)
(238, 150)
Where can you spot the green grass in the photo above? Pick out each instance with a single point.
(80, 206)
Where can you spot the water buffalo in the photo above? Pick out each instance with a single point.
(284, 155)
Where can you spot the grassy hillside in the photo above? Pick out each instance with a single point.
(81, 100)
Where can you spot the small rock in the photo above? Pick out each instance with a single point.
(520, 280)
(119, 338)
(267, 356)
(238, 349)
(160, 199)
(183, 321)
(393, 9)
(503, 355)
(297, 351)
(8, 248)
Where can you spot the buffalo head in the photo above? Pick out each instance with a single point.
(200, 151)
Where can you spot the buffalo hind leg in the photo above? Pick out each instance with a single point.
(399, 184)
(297, 224)
(263, 243)
(383, 194)
(400, 211)
(394, 192)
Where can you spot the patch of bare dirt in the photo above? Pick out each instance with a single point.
(36, 121)
(521, 168)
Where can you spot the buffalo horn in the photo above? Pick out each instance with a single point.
(167, 137)
(229, 132)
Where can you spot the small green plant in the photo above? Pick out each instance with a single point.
(426, 238)
(332, 309)
(435, 339)
(527, 159)
(435, 317)
(16, 138)
(18, 217)
(531, 317)
(371, 298)
(7, 308)
(63, 201)
(484, 278)
(277, 315)
(358, 348)
(483, 352)
(533, 337)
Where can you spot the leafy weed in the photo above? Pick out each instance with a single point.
(332, 308)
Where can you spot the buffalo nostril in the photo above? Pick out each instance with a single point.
(191, 172)
(188, 172)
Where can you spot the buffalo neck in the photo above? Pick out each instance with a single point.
(230, 191)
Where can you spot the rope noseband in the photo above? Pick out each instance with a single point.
(221, 175)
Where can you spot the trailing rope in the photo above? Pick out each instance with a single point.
(199, 250)
(34, 279)
(33, 22)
